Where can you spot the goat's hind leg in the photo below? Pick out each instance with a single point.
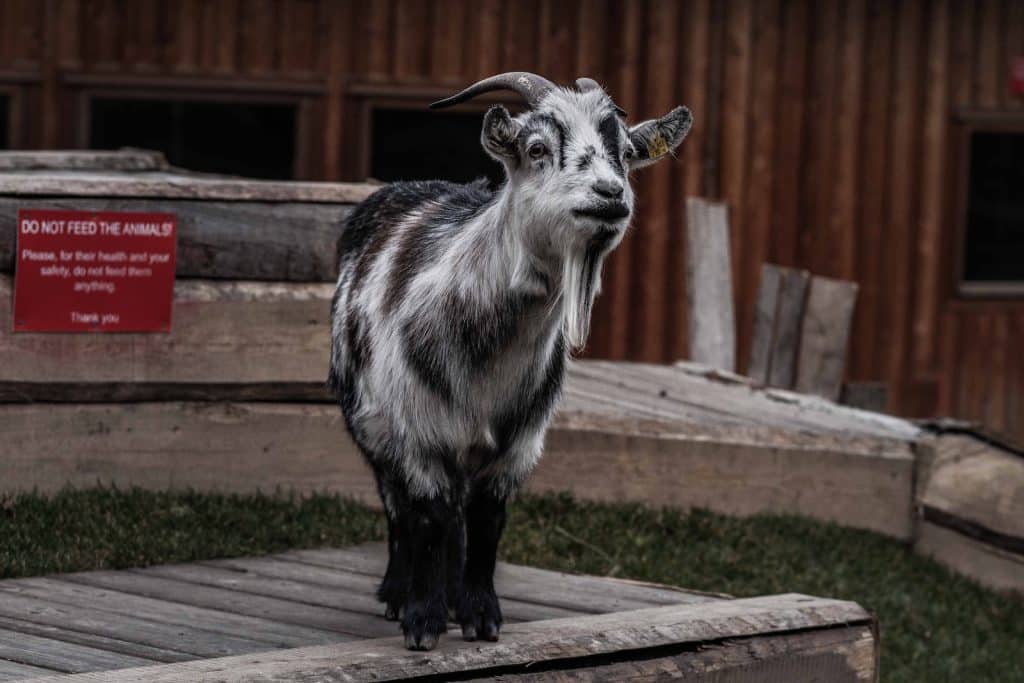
(394, 587)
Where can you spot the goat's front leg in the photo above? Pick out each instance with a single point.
(478, 610)
(427, 527)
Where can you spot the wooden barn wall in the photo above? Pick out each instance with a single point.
(827, 127)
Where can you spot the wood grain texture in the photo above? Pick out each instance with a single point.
(222, 240)
(825, 125)
(988, 565)
(824, 337)
(709, 284)
(568, 641)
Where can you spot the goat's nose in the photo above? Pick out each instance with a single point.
(608, 188)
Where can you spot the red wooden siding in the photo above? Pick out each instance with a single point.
(827, 125)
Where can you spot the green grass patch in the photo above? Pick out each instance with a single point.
(936, 626)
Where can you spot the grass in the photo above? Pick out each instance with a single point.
(936, 626)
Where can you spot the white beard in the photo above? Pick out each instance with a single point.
(581, 273)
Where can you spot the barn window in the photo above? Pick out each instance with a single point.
(992, 258)
(5, 121)
(416, 144)
(237, 138)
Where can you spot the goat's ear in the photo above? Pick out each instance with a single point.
(499, 134)
(654, 139)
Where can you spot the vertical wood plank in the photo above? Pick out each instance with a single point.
(616, 306)
(763, 335)
(519, 35)
(815, 238)
(789, 147)
(339, 16)
(849, 125)
(757, 207)
(300, 37)
(695, 25)
(484, 45)
(990, 74)
(709, 284)
(449, 39)
(66, 19)
(652, 256)
(824, 337)
(1013, 11)
(901, 215)
(933, 190)
(789, 320)
(412, 28)
(259, 48)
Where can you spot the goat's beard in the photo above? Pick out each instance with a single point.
(581, 281)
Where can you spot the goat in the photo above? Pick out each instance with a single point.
(455, 312)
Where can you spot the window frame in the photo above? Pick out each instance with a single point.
(302, 167)
(969, 122)
(364, 98)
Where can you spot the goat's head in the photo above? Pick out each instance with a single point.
(571, 152)
(568, 158)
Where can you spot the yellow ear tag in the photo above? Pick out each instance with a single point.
(657, 147)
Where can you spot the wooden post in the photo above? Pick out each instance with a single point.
(777, 316)
(709, 284)
(824, 337)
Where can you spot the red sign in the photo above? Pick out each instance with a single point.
(94, 271)
(1017, 76)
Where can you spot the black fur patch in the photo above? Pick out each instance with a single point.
(609, 130)
(585, 159)
(423, 355)
(530, 405)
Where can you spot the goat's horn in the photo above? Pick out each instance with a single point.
(531, 86)
(585, 84)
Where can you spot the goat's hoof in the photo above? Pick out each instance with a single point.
(480, 615)
(423, 624)
(425, 641)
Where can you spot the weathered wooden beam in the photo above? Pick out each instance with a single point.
(136, 160)
(242, 240)
(225, 333)
(777, 317)
(824, 337)
(169, 185)
(304, 447)
(841, 649)
(712, 319)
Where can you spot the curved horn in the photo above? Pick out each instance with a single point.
(531, 86)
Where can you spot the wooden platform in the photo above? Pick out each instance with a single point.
(310, 615)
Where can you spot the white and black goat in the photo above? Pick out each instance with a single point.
(454, 315)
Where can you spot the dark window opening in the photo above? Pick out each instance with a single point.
(5, 121)
(234, 138)
(410, 144)
(994, 232)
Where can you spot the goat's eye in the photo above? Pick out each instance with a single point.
(537, 150)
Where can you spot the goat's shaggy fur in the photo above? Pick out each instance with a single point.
(455, 311)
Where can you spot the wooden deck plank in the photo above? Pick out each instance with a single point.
(341, 621)
(521, 581)
(60, 656)
(357, 596)
(67, 592)
(531, 647)
(120, 632)
(14, 671)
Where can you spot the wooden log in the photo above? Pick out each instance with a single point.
(986, 564)
(824, 336)
(712, 325)
(56, 654)
(13, 671)
(248, 240)
(777, 319)
(222, 333)
(842, 649)
(83, 160)
(164, 185)
(304, 448)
